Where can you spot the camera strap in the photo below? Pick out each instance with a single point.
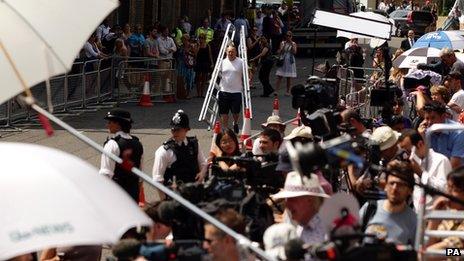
(370, 212)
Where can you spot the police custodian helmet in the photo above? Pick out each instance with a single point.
(180, 120)
(119, 115)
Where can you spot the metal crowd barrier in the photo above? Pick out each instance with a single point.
(356, 91)
(132, 73)
(91, 85)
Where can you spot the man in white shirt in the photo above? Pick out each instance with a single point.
(430, 168)
(167, 47)
(273, 122)
(102, 30)
(456, 103)
(231, 87)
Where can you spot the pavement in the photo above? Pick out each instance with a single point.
(151, 125)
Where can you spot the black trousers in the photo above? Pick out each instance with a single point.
(264, 73)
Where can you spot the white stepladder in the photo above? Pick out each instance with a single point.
(209, 110)
(246, 101)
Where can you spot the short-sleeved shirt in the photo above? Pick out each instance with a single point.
(458, 99)
(231, 75)
(152, 46)
(401, 226)
(449, 143)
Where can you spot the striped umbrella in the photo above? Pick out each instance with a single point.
(412, 57)
(453, 40)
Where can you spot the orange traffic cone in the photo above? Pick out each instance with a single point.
(216, 131)
(145, 99)
(275, 106)
(141, 195)
(246, 131)
(297, 121)
(168, 98)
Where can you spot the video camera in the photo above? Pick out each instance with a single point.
(260, 175)
(316, 93)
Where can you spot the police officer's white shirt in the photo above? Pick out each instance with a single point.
(231, 75)
(165, 158)
(107, 165)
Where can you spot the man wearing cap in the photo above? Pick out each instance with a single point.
(393, 216)
(387, 140)
(273, 122)
(179, 158)
(301, 134)
(303, 197)
(127, 147)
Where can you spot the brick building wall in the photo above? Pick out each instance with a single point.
(146, 12)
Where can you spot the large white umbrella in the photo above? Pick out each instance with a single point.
(41, 38)
(53, 199)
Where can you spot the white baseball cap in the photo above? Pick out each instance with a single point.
(385, 136)
(297, 185)
(275, 237)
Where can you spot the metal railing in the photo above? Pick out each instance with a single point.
(91, 85)
(356, 92)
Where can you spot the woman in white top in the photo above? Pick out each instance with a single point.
(287, 51)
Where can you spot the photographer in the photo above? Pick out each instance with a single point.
(387, 140)
(433, 173)
(227, 145)
(351, 118)
(220, 245)
(393, 215)
(301, 134)
(273, 122)
(270, 141)
(160, 229)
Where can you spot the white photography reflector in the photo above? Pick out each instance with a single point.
(362, 26)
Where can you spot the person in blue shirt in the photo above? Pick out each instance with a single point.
(136, 42)
(448, 143)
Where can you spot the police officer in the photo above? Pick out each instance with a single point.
(179, 156)
(127, 147)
